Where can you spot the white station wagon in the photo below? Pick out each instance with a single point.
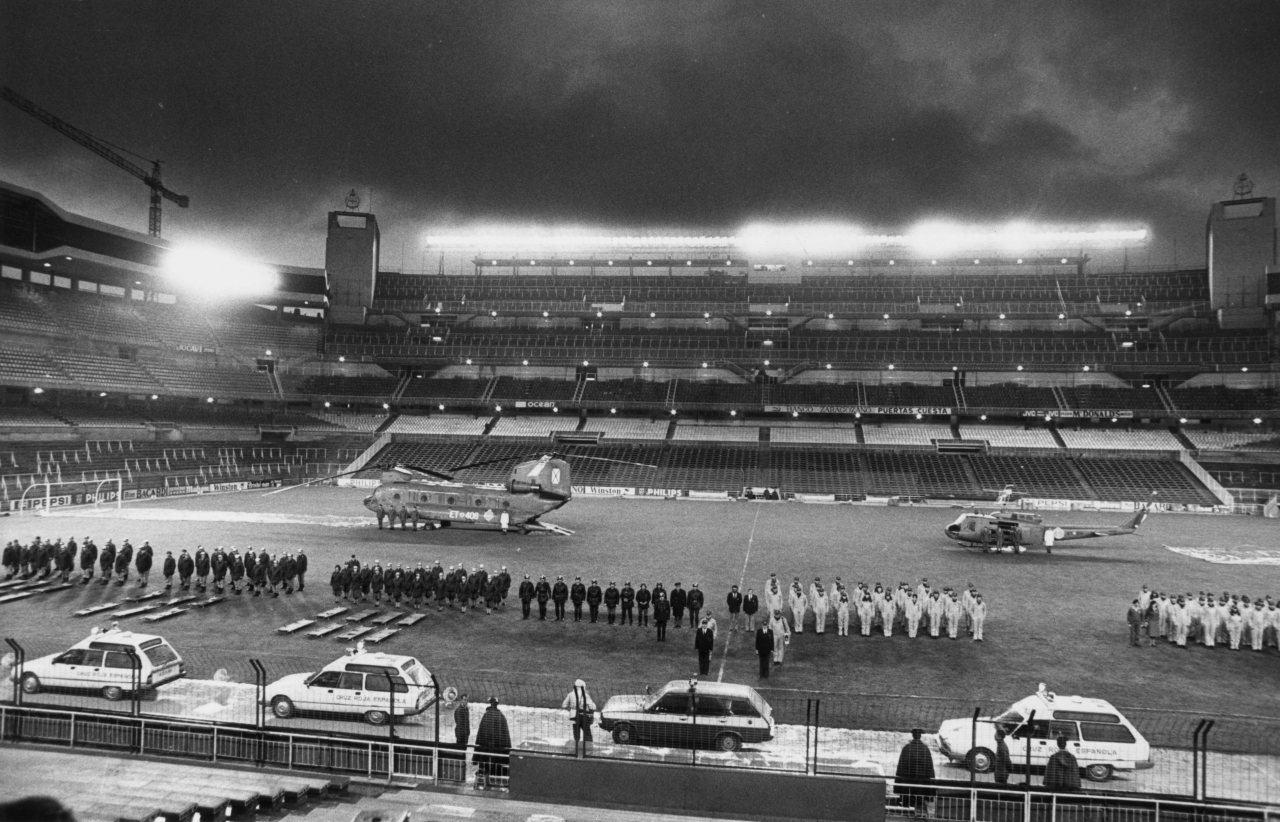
(106, 662)
(1098, 735)
(360, 682)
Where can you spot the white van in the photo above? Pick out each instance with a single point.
(106, 662)
(1099, 736)
(357, 683)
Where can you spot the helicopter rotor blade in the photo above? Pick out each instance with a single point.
(457, 468)
(607, 459)
(314, 481)
(429, 472)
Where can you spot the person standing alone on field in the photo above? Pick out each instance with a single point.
(764, 648)
(704, 642)
(1136, 618)
(661, 613)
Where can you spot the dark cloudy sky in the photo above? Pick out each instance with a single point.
(698, 115)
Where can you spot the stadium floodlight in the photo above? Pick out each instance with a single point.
(1086, 368)
(983, 417)
(1019, 368)
(613, 410)
(155, 396)
(497, 408)
(1182, 420)
(673, 412)
(37, 390)
(468, 361)
(440, 407)
(644, 364)
(1002, 316)
(524, 362)
(215, 273)
(209, 400)
(342, 359)
(1245, 368)
(704, 365)
(1257, 420)
(326, 403)
(890, 366)
(102, 393)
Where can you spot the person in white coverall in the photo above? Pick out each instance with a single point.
(934, 610)
(953, 615)
(819, 601)
(887, 612)
(842, 614)
(1235, 628)
(798, 605)
(781, 636)
(773, 596)
(913, 611)
(866, 613)
(978, 612)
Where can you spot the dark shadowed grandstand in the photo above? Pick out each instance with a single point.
(911, 378)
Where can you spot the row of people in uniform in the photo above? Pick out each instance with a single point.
(623, 606)
(418, 587)
(1230, 619)
(259, 572)
(868, 608)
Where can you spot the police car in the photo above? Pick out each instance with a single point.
(359, 683)
(688, 713)
(113, 662)
(1098, 735)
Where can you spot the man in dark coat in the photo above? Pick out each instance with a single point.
(751, 605)
(235, 567)
(703, 642)
(218, 566)
(661, 613)
(277, 577)
(678, 599)
(695, 602)
(1003, 763)
(462, 721)
(107, 561)
(559, 596)
(290, 570)
(377, 582)
(492, 594)
(186, 567)
(525, 593)
(915, 773)
(10, 558)
(348, 575)
(764, 648)
(611, 599)
(67, 560)
(577, 593)
(250, 563)
(202, 568)
(259, 576)
(1062, 771)
(88, 559)
(594, 597)
(627, 599)
(734, 601)
(300, 568)
(39, 558)
(504, 585)
(493, 740)
(143, 564)
(643, 598)
(167, 569)
(123, 557)
(335, 581)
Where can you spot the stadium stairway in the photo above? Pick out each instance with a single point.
(100, 788)
(1079, 474)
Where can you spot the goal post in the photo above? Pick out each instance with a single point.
(45, 496)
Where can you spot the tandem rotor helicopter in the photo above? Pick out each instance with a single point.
(1013, 532)
(413, 494)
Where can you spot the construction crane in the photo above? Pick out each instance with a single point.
(105, 150)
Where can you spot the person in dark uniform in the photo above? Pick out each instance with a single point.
(260, 569)
(235, 567)
(143, 564)
(10, 559)
(493, 594)
(451, 587)
(611, 599)
(88, 559)
(291, 571)
(202, 568)
(504, 585)
(250, 562)
(543, 593)
(695, 602)
(577, 593)
(335, 581)
(377, 582)
(346, 579)
(1062, 771)
(186, 567)
(167, 569)
(704, 641)
(764, 647)
(594, 597)
(277, 576)
(734, 601)
(67, 559)
(525, 593)
(915, 773)
(627, 599)
(1003, 763)
(462, 722)
(661, 613)
(107, 561)
(218, 567)
(643, 600)
(393, 582)
(39, 558)
(559, 596)
(124, 557)
(300, 567)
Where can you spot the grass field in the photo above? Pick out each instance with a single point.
(1058, 619)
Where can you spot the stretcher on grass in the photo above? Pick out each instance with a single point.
(140, 609)
(354, 632)
(293, 627)
(361, 616)
(332, 612)
(210, 601)
(410, 620)
(93, 609)
(171, 612)
(379, 636)
(385, 618)
(325, 630)
(15, 596)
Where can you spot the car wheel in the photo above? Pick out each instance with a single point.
(728, 743)
(624, 734)
(980, 760)
(30, 684)
(282, 706)
(113, 692)
(376, 717)
(1098, 773)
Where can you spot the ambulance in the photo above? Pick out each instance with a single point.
(361, 682)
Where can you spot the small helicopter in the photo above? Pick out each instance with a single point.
(435, 499)
(1012, 532)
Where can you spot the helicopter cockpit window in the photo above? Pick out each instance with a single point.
(451, 501)
(395, 497)
(479, 502)
(506, 503)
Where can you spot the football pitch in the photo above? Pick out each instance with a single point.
(1057, 619)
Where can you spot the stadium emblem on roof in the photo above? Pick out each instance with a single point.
(353, 201)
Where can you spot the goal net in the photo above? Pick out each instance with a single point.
(46, 496)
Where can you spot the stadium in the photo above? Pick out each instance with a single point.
(821, 402)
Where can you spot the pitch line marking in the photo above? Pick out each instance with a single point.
(741, 581)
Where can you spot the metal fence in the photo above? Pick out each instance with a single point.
(1207, 758)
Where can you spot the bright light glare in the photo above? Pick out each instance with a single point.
(563, 239)
(218, 273)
